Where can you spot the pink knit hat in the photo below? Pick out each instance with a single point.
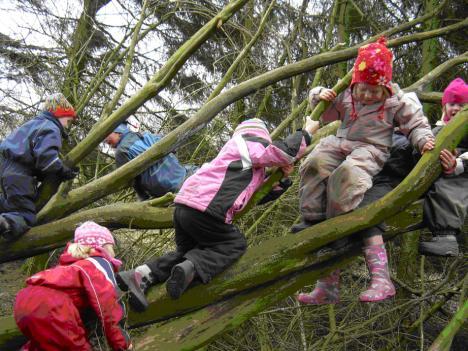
(456, 92)
(93, 234)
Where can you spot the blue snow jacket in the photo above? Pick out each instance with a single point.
(166, 175)
(36, 145)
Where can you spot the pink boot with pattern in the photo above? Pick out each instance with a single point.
(381, 286)
(327, 291)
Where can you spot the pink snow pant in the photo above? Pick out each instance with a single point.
(335, 176)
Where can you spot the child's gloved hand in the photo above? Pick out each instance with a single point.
(429, 145)
(311, 126)
(448, 161)
(68, 173)
(327, 94)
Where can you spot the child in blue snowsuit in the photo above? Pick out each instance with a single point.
(29, 154)
(166, 175)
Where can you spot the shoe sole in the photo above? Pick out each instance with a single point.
(126, 283)
(123, 280)
(312, 303)
(441, 254)
(136, 304)
(175, 283)
(388, 296)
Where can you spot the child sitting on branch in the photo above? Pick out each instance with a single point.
(337, 173)
(446, 202)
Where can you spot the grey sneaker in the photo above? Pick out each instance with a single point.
(182, 275)
(441, 245)
(136, 285)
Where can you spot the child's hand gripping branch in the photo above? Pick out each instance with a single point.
(448, 160)
(327, 94)
(311, 126)
(428, 146)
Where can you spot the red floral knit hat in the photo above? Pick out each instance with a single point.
(59, 106)
(374, 65)
(456, 92)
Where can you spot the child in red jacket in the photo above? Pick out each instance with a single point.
(48, 311)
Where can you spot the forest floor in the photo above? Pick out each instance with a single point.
(12, 278)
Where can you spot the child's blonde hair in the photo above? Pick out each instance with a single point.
(79, 250)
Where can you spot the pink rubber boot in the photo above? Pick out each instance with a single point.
(381, 286)
(327, 291)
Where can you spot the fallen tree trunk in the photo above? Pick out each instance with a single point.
(279, 256)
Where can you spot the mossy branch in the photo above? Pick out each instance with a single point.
(46, 237)
(437, 72)
(444, 340)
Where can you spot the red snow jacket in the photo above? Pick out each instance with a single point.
(89, 283)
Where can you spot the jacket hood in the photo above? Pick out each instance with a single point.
(254, 126)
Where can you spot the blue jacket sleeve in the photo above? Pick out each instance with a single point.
(46, 147)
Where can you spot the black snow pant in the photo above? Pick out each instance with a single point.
(210, 244)
(445, 205)
(382, 185)
(19, 189)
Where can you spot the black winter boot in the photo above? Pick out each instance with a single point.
(304, 224)
(182, 275)
(136, 282)
(440, 245)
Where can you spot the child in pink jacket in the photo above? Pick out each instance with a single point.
(48, 311)
(338, 172)
(207, 242)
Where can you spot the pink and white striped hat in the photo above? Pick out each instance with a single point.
(93, 234)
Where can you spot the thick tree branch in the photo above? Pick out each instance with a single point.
(134, 215)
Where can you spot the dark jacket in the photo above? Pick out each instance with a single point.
(36, 145)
